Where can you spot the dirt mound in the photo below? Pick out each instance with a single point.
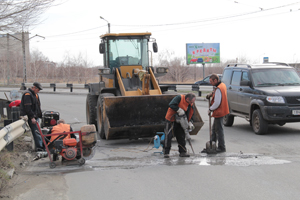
(13, 162)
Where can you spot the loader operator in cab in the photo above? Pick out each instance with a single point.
(180, 105)
(219, 108)
(31, 106)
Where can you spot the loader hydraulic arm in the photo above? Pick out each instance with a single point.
(145, 77)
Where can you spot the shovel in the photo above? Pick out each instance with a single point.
(210, 145)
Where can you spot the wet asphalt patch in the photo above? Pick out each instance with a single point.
(154, 159)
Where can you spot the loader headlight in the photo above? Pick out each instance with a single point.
(162, 70)
(275, 99)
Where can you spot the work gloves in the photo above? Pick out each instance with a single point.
(180, 112)
(187, 135)
(191, 126)
(209, 95)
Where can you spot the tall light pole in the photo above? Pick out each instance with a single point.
(23, 40)
(108, 24)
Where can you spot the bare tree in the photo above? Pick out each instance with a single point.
(38, 65)
(178, 71)
(15, 15)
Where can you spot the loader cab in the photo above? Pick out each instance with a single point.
(125, 49)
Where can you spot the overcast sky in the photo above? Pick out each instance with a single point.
(244, 28)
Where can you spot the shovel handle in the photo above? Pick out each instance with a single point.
(209, 116)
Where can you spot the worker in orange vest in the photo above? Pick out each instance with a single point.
(61, 127)
(180, 105)
(219, 108)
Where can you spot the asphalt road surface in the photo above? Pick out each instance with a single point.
(254, 166)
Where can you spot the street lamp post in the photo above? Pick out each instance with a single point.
(108, 24)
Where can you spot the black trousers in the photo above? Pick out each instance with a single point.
(174, 129)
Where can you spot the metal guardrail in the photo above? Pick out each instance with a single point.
(190, 87)
(57, 85)
(175, 87)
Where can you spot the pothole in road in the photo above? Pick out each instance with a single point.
(118, 162)
(225, 159)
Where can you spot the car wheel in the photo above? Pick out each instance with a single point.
(259, 125)
(228, 120)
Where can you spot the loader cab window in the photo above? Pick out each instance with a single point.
(128, 52)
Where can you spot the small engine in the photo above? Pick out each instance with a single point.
(69, 153)
(49, 118)
(67, 148)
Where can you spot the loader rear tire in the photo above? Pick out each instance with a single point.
(91, 115)
(100, 123)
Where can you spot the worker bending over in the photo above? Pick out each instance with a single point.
(61, 127)
(179, 106)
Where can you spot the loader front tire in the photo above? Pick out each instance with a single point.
(100, 123)
(91, 115)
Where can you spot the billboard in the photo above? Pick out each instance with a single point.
(197, 53)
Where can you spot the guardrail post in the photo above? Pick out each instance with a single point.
(54, 86)
(87, 87)
(195, 87)
(15, 115)
(70, 86)
(23, 87)
(9, 147)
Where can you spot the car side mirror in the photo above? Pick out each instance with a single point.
(155, 48)
(101, 48)
(245, 83)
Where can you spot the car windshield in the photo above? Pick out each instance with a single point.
(275, 77)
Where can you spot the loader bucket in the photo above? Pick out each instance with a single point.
(133, 117)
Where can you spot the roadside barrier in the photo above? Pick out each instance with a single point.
(57, 85)
(190, 87)
(175, 87)
(12, 131)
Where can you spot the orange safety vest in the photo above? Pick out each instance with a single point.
(223, 109)
(60, 128)
(170, 116)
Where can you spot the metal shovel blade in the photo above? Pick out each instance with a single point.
(211, 147)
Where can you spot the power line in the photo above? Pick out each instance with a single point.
(75, 32)
(183, 23)
(216, 23)
(216, 18)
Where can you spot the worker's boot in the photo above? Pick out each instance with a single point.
(184, 154)
(166, 156)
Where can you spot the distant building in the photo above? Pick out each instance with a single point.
(15, 46)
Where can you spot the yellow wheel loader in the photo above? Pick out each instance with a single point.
(128, 101)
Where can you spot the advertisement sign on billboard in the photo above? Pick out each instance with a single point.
(202, 53)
